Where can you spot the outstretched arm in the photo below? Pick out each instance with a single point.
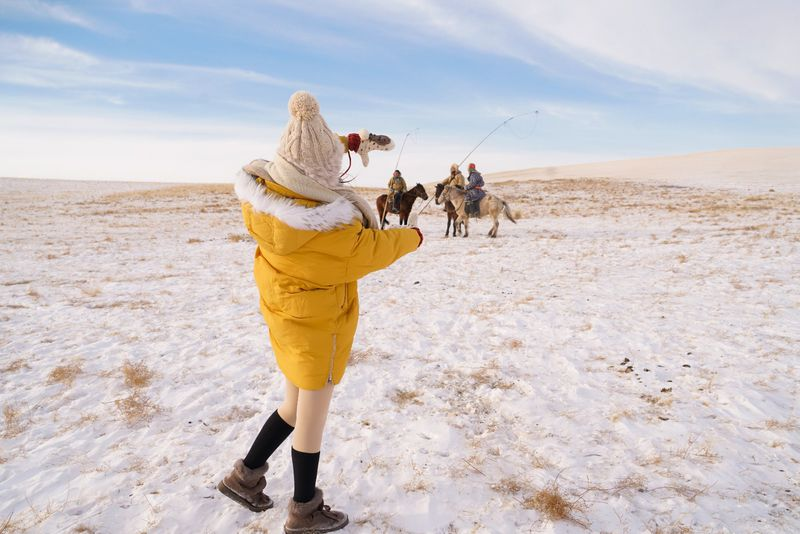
(377, 249)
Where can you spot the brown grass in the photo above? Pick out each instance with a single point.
(368, 354)
(15, 366)
(509, 486)
(237, 414)
(551, 503)
(403, 397)
(137, 375)
(137, 408)
(236, 238)
(91, 291)
(176, 191)
(64, 374)
(774, 424)
(13, 423)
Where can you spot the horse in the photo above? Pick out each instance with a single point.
(451, 213)
(406, 202)
(490, 205)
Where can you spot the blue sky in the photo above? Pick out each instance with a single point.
(185, 90)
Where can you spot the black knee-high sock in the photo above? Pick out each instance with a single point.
(272, 434)
(304, 465)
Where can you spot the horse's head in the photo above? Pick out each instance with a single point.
(439, 189)
(446, 194)
(420, 191)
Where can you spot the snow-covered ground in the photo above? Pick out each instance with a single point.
(743, 169)
(631, 349)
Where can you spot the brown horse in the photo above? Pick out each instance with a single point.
(406, 202)
(452, 216)
(490, 205)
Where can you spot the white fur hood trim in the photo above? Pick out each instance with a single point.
(328, 216)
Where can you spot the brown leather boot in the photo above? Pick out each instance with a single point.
(313, 516)
(245, 486)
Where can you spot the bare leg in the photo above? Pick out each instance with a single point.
(312, 412)
(288, 410)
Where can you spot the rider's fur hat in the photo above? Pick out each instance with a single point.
(308, 143)
(472, 167)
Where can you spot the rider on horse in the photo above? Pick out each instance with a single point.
(397, 186)
(475, 192)
(456, 179)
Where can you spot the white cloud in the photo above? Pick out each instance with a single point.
(43, 62)
(727, 46)
(740, 46)
(59, 12)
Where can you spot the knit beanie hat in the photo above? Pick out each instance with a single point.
(308, 143)
(471, 167)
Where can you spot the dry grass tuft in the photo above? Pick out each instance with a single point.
(193, 240)
(15, 366)
(370, 353)
(553, 505)
(8, 526)
(137, 375)
(137, 408)
(513, 344)
(508, 486)
(91, 291)
(675, 528)
(236, 238)
(84, 528)
(403, 397)
(13, 424)
(540, 462)
(774, 424)
(64, 374)
(237, 414)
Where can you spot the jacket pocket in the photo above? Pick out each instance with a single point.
(306, 303)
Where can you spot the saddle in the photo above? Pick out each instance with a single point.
(473, 208)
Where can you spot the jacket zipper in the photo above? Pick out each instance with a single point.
(333, 354)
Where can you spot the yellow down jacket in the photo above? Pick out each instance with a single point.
(309, 256)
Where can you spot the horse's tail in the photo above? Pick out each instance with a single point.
(507, 211)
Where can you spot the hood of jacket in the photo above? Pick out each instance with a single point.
(296, 202)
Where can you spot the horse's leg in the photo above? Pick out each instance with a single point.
(495, 224)
(465, 220)
(447, 232)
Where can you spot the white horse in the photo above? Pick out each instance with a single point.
(489, 205)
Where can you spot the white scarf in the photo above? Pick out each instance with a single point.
(284, 173)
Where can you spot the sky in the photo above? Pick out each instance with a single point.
(190, 90)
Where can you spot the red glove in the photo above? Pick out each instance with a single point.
(419, 232)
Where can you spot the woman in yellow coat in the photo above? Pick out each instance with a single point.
(315, 239)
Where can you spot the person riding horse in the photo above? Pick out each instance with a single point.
(475, 192)
(456, 179)
(397, 186)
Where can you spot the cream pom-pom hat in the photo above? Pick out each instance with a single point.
(308, 143)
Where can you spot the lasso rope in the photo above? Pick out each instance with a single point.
(479, 144)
